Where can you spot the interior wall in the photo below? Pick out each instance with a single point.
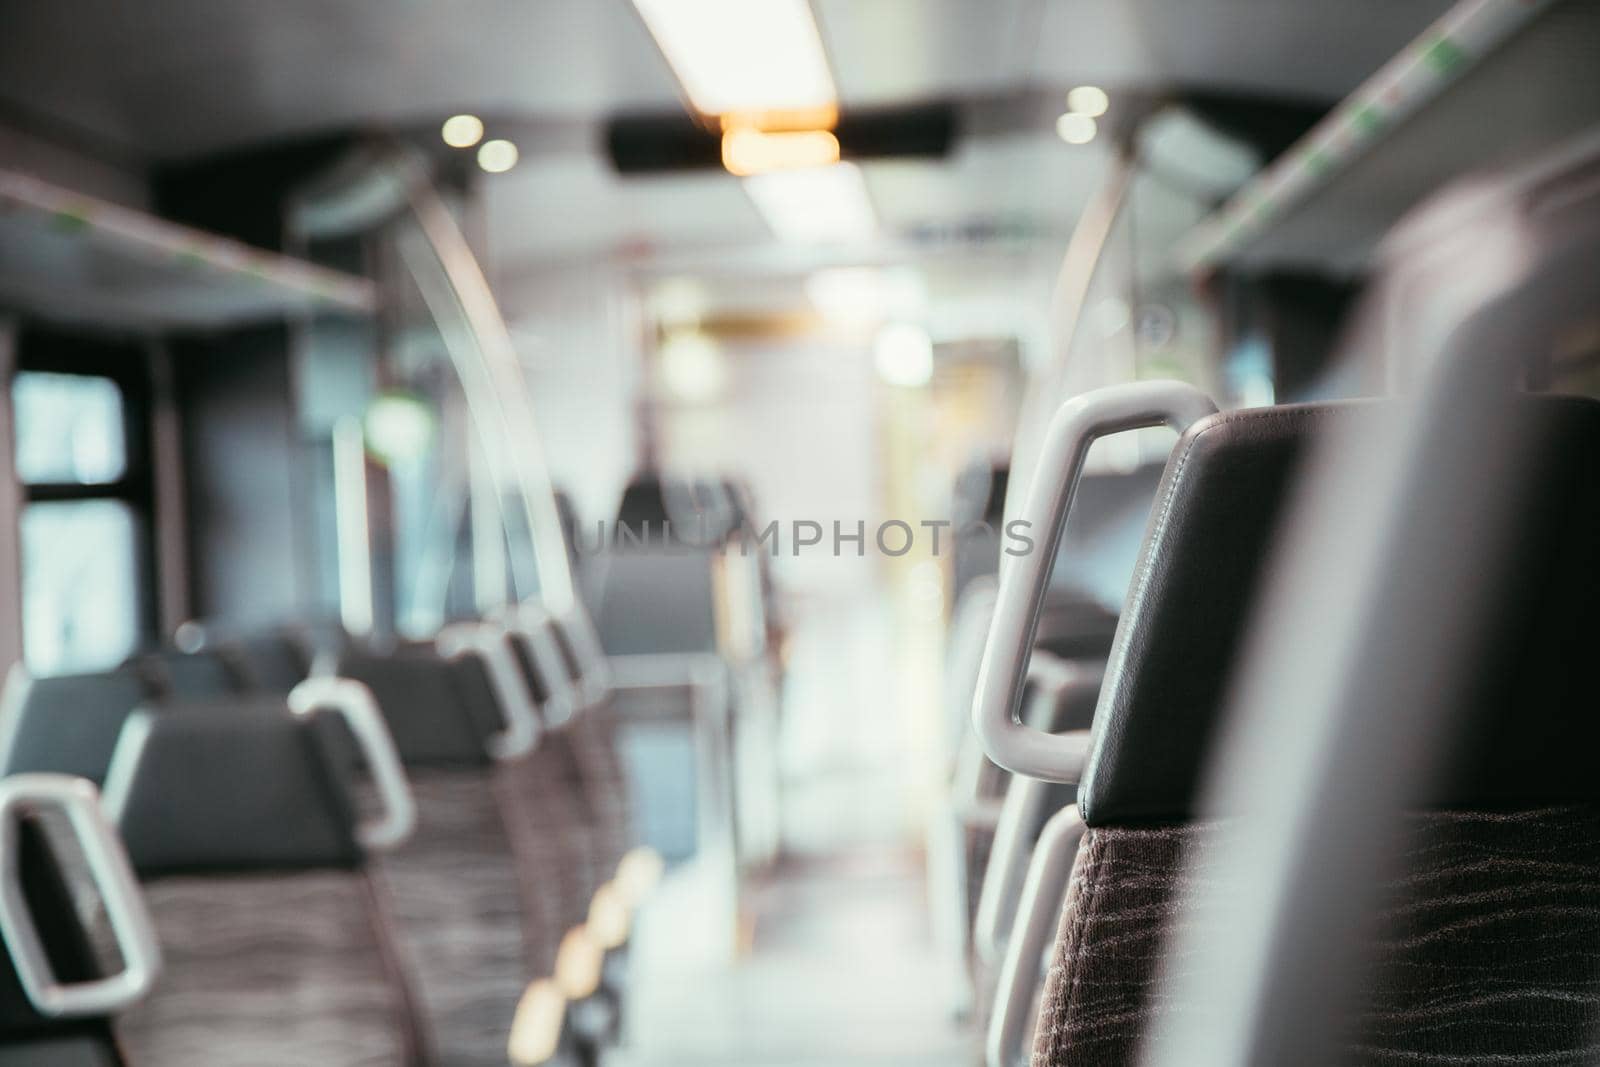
(239, 440)
(578, 339)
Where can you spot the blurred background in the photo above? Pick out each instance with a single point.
(357, 317)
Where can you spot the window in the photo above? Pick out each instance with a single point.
(69, 429)
(80, 592)
(81, 544)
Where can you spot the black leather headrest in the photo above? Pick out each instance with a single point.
(69, 723)
(433, 721)
(202, 791)
(1531, 732)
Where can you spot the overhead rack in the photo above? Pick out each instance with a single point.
(74, 258)
(1489, 85)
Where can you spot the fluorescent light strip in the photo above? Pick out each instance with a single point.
(820, 205)
(742, 56)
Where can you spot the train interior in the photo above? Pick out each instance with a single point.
(799, 533)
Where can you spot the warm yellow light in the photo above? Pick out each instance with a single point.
(1074, 128)
(742, 56)
(462, 131)
(638, 873)
(609, 920)
(749, 151)
(497, 156)
(825, 117)
(578, 962)
(1090, 100)
(536, 1026)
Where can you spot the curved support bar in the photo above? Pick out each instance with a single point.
(355, 703)
(113, 878)
(1055, 683)
(1038, 915)
(594, 666)
(535, 628)
(488, 643)
(1077, 425)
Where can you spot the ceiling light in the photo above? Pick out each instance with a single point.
(462, 131)
(1074, 128)
(747, 151)
(692, 367)
(903, 355)
(497, 156)
(816, 205)
(1090, 100)
(742, 55)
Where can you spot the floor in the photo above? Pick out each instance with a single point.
(835, 968)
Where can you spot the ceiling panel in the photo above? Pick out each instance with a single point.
(184, 77)
(574, 206)
(895, 51)
(1280, 47)
(1035, 180)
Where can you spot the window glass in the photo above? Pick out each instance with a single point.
(69, 429)
(80, 595)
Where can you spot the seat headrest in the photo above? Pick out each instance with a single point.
(275, 662)
(226, 790)
(206, 673)
(1526, 739)
(69, 723)
(433, 720)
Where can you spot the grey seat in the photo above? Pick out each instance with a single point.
(279, 942)
(474, 912)
(1485, 952)
(69, 723)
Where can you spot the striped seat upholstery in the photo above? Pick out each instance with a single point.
(278, 939)
(271, 968)
(1487, 949)
(474, 919)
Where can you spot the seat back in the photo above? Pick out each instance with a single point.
(1485, 951)
(279, 943)
(67, 724)
(189, 675)
(456, 888)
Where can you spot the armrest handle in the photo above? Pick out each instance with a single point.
(488, 643)
(355, 703)
(113, 878)
(1077, 425)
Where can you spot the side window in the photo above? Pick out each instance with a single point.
(80, 537)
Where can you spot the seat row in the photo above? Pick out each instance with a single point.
(418, 853)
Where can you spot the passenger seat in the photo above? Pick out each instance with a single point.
(279, 942)
(1486, 950)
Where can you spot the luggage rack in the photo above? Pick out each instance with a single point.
(75, 258)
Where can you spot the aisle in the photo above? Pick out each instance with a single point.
(839, 972)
